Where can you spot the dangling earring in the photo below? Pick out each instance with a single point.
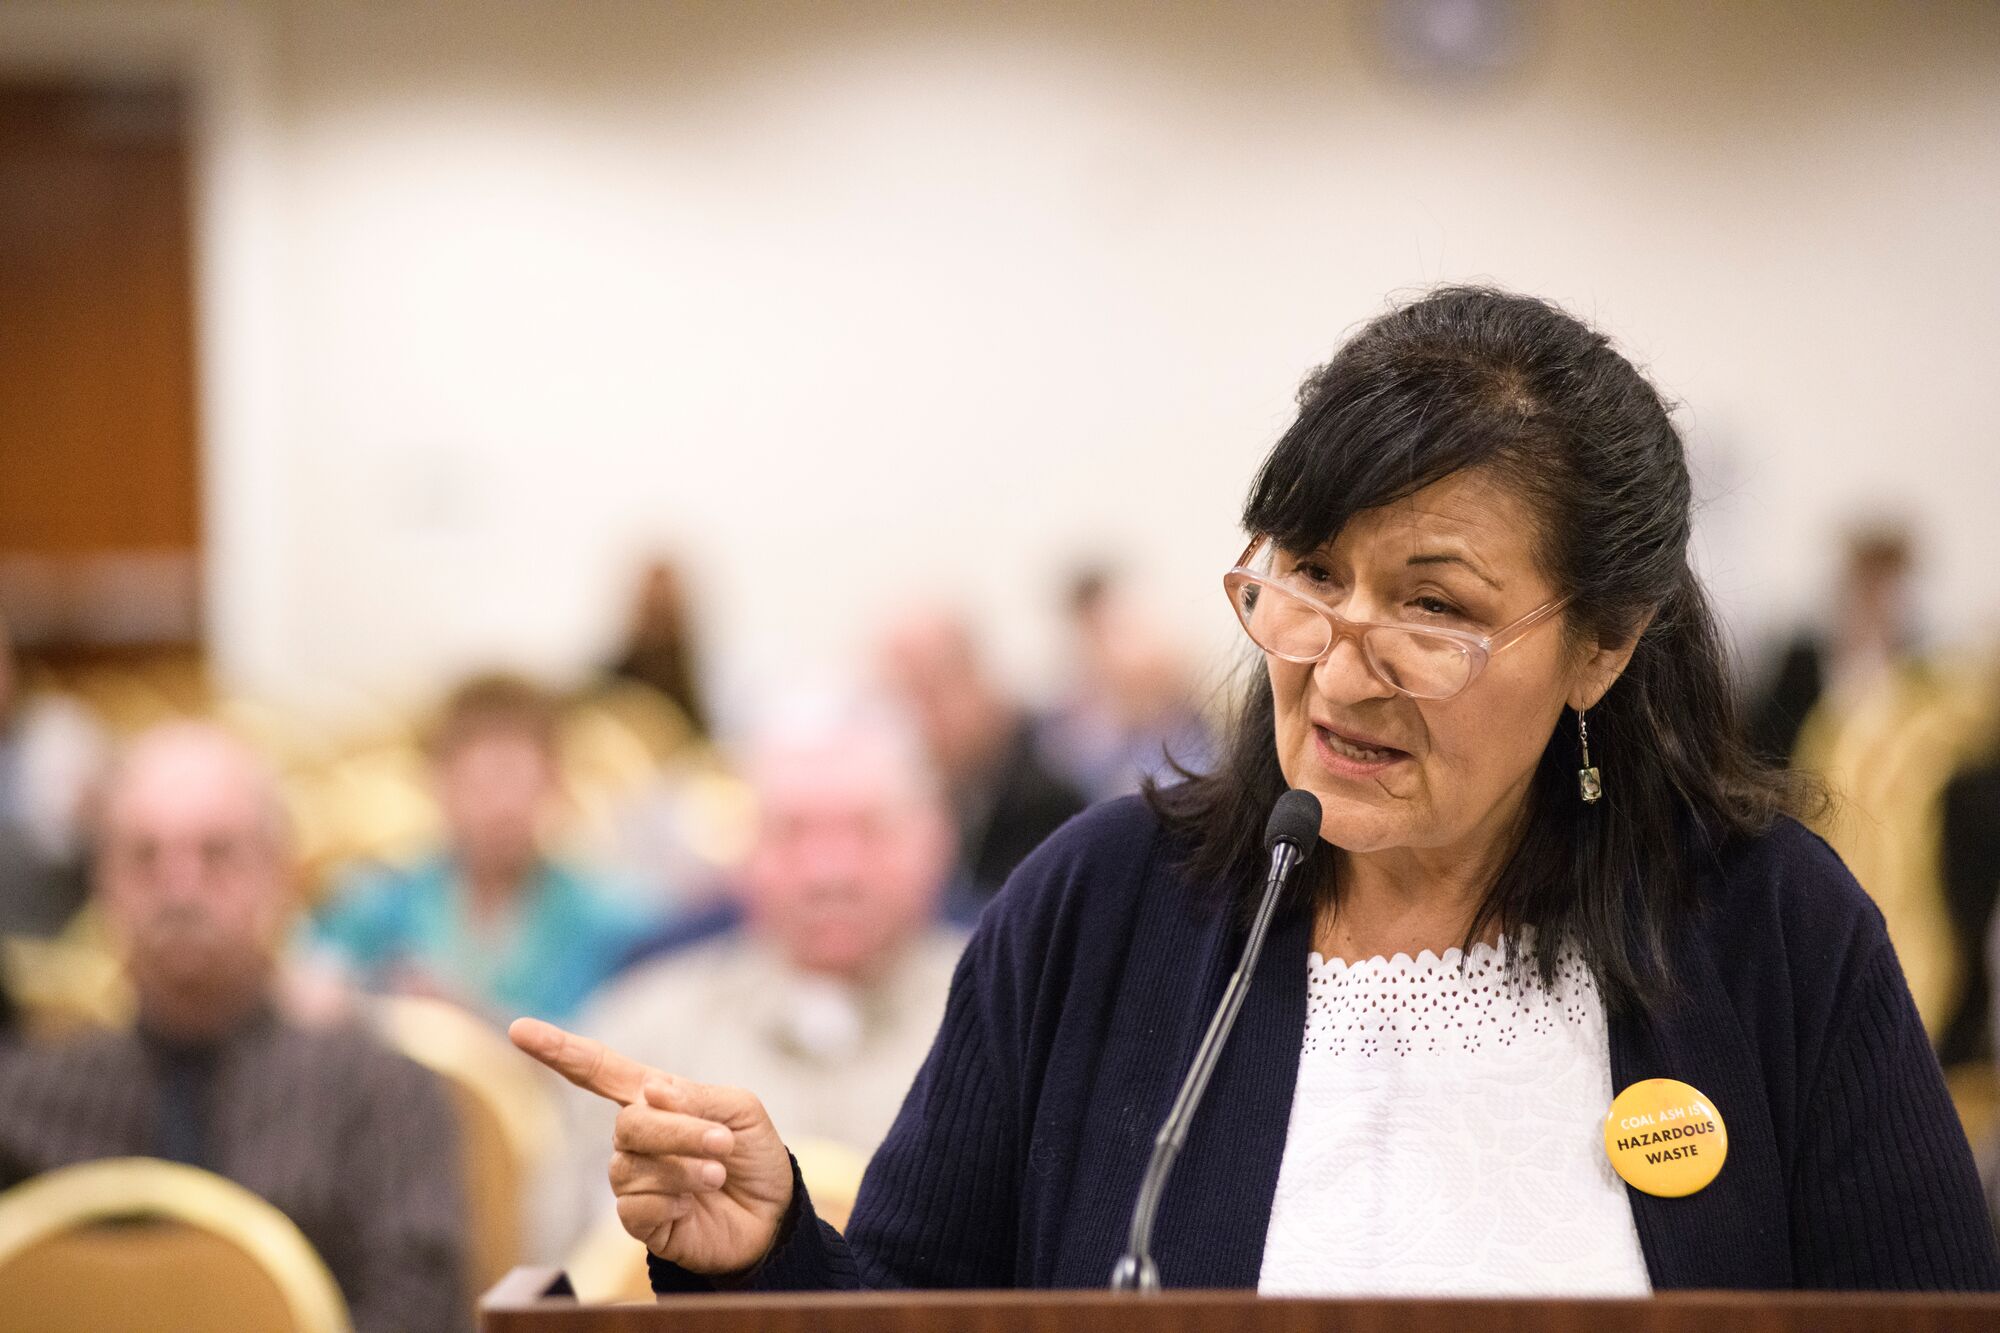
(1588, 784)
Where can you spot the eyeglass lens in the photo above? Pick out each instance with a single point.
(1429, 666)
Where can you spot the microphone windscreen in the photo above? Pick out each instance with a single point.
(1294, 819)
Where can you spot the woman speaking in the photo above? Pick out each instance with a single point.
(1566, 1004)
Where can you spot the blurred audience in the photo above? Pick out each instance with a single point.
(1131, 714)
(490, 921)
(659, 650)
(51, 754)
(1870, 631)
(827, 994)
(655, 808)
(354, 1143)
(1003, 796)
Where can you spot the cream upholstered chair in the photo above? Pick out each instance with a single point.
(607, 1265)
(640, 713)
(508, 1124)
(1887, 757)
(68, 984)
(132, 1242)
(369, 802)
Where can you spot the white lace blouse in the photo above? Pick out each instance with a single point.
(1446, 1137)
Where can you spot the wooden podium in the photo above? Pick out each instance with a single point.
(536, 1300)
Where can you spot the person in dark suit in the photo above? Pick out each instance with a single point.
(1970, 852)
(1004, 796)
(353, 1142)
(659, 650)
(1552, 885)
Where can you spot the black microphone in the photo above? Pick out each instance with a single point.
(1290, 835)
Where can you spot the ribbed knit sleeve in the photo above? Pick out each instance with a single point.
(1885, 1194)
(937, 1207)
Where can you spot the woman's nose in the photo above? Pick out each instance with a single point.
(1344, 676)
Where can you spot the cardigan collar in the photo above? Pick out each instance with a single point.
(1735, 1233)
(1237, 1141)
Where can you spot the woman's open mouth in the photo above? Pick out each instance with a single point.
(1350, 757)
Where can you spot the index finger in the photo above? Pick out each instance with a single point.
(591, 1065)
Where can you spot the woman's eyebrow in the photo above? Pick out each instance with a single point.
(1448, 558)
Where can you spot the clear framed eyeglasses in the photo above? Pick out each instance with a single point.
(1424, 662)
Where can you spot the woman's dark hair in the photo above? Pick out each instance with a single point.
(1475, 378)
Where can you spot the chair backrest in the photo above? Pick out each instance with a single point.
(1888, 755)
(832, 1172)
(65, 985)
(132, 1242)
(370, 801)
(508, 1125)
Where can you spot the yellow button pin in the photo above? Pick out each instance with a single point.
(1665, 1138)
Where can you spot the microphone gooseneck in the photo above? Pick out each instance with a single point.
(1290, 835)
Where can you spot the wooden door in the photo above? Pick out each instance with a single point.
(100, 528)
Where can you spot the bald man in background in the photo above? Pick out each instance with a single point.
(827, 997)
(354, 1143)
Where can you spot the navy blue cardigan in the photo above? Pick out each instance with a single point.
(1090, 979)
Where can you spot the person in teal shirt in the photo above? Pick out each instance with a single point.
(490, 922)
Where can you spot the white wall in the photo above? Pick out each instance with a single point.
(502, 294)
